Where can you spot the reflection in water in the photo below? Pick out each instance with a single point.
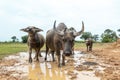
(78, 67)
(49, 70)
(46, 71)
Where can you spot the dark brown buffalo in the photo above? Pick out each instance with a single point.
(89, 44)
(35, 41)
(57, 39)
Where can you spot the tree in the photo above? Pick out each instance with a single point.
(108, 31)
(108, 36)
(95, 37)
(118, 31)
(86, 35)
(24, 38)
(17, 40)
(13, 38)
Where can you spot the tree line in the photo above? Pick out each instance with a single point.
(107, 36)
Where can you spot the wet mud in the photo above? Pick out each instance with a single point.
(79, 66)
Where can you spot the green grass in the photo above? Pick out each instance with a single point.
(95, 45)
(13, 48)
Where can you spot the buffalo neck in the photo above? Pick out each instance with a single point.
(34, 38)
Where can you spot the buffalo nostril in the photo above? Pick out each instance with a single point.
(67, 53)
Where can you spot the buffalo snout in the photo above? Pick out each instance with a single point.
(68, 53)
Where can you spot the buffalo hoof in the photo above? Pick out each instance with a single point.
(30, 60)
(45, 59)
(63, 64)
(35, 57)
(59, 65)
(40, 55)
(37, 60)
(53, 60)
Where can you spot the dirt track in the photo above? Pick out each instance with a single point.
(112, 58)
(108, 58)
(110, 55)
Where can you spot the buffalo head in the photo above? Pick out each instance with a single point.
(31, 29)
(67, 38)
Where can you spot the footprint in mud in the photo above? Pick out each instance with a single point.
(89, 63)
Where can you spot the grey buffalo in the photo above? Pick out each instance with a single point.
(35, 41)
(60, 38)
(72, 30)
(89, 44)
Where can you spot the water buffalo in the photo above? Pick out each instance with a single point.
(57, 39)
(61, 27)
(89, 44)
(72, 30)
(35, 41)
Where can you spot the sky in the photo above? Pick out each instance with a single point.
(97, 15)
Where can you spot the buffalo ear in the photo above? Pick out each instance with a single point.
(24, 29)
(27, 29)
(80, 32)
(60, 33)
(38, 30)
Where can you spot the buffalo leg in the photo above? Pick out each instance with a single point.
(87, 48)
(37, 53)
(47, 49)
(63, 59)
(58, 60)
(53, 56)
(58, 55)
(30, 52)
(91, 47)
(73, 51)
(40, 54)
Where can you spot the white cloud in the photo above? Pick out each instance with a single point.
(96, 14)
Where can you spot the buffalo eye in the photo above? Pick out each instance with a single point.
(64, 40)
(73, 40)
(27, 29)
(30, 29)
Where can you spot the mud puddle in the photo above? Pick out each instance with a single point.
(79, 66)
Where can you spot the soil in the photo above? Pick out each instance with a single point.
(108, 57)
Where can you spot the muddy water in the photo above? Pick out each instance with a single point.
(79, 66)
